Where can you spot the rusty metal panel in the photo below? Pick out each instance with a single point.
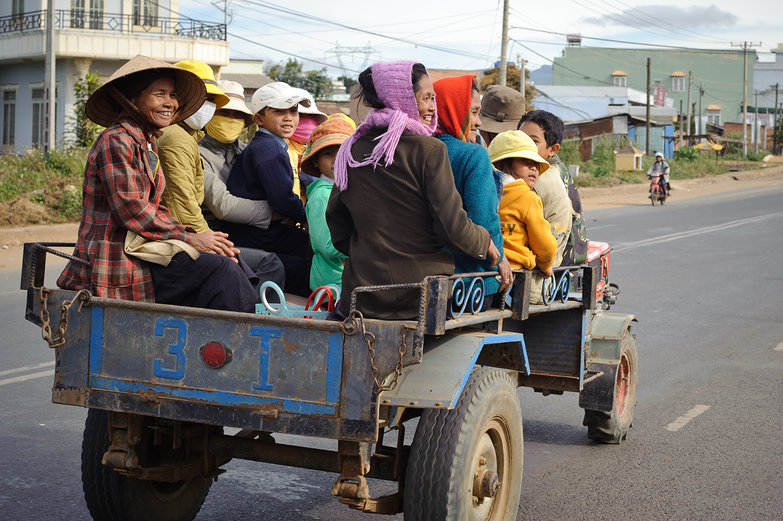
(448, 360)
(555, 340)
(271, 366)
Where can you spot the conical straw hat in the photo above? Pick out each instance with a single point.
(103, 108)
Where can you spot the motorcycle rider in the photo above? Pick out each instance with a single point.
(662, 168)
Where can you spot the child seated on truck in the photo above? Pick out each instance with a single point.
(527, 237)
(318, 161)
(547, 131)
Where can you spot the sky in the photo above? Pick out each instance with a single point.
(347, 36)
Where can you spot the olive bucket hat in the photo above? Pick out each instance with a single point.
(501, 108)
(103, 107)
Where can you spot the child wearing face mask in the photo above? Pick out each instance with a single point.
(318, 162)
(527, 237)
(309, 118)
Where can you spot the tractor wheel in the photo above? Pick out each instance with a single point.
(111, 496)
(612, 427)
(466, 463)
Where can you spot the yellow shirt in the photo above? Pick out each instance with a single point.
(527, 237)
(294, 151)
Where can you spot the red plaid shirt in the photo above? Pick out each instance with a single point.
(120, 193)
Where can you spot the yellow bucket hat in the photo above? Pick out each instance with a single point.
(204, 71)
(515, 143)
(340, 115)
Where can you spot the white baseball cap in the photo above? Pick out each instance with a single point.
(311, 109)
(277, 95)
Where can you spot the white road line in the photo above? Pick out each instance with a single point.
(779, 347)
(26, 377)
(26, 368)
(680, 422)
(698, 231)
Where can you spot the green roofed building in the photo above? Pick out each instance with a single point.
(719, 72)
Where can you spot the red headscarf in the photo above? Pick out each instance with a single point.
(452, 96)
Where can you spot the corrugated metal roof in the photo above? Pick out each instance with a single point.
(248, 81)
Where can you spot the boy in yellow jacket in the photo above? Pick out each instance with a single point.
(527, 237)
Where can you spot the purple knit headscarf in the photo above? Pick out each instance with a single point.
(394, 86)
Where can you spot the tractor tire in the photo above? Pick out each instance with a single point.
(612, 427)
(110, 496)
(466, 463)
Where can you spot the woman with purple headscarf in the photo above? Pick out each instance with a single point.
(396, 209)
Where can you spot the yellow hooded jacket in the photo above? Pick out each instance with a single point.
(527, 237)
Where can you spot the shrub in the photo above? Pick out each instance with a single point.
(686, 154)
(83, 131)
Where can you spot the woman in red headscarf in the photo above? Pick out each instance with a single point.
(459, 103)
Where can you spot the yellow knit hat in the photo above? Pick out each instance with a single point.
(515, 143)
(204, 71)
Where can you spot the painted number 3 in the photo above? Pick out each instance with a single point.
(177, 349)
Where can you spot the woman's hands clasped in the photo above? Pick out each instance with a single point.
(213, 242)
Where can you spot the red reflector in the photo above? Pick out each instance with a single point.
(215, 355)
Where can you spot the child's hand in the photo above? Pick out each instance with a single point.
(548, 272)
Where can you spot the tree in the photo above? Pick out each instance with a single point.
(291, 72)
(491, 77)
(83, 130)
(348, 82)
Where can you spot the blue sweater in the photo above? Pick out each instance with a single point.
(263, 172)
(475, 182)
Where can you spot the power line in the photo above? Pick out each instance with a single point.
(353, 28)
(660, 45)
(585, 76)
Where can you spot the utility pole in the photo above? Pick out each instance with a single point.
(647, 150)
(775, 122)
(701, 114)
(682, 117)
(522, 81)
(50, 85)
(756, 128)
(693, 118)
(504, 46)
(688, 106)
(745, 46)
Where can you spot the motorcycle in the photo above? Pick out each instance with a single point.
(657, 192)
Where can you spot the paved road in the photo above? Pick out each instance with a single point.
(707, 442)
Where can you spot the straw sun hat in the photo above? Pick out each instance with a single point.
(103, 107)
(330, 132)
(236, 98)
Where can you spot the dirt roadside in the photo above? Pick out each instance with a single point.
(12, 239)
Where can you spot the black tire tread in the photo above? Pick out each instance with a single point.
(113, 497)
(437, 440)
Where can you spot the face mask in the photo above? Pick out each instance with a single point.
(226, 130)
(201, 116)
(307, 123)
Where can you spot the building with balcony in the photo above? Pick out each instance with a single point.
(89, 36)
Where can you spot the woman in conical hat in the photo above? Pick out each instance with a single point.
(396, 208)
(133, 249)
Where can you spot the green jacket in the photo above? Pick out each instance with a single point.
(327, 267)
